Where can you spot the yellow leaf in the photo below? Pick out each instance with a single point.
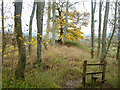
(18, 25)
(40, 35)
(5, 56)
(11, 17)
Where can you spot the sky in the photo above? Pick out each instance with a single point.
(27, 9)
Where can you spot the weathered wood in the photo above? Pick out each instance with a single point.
(94, 73)
(94, 78)
(84, 72)
(104, 70)
(95, 64)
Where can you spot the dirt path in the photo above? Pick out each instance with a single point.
(73, 83)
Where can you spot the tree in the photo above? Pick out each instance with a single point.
(3, 34)
(75, 21)
(114, 28)
(119, 45)
(54, 23)
(20, 69)
(99, 30)
(93, 6)
(104, 32)
(30, 28)
(48, 20)
(66, 23)
(39, 17)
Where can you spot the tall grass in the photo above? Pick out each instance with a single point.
(61, 64)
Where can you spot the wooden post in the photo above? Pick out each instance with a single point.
(84, 72)
(104, 70)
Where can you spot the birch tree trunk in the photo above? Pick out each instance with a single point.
(66, 24)
(39, 17)
(48, 20)
(3, 34)
(20, 69)
(92, 27)
(30, 28)
(104, 32)
(54, 22)
(99, 30)
(119, 45)
(114, 28)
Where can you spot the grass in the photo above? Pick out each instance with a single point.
(61, 67)
(76, 43)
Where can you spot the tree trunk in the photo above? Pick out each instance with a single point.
(112, 32)
(54, 23)
(117, 55)
(99, 30)
(61, 28)
(66, 24)
(92, 27)
(119, 45)
(39, 17)
(104, 32)
(3, 34)
(30, 28)
(48, 20)
(19, 73)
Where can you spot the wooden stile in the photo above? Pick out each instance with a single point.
(92, 73)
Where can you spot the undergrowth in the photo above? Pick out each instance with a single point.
(60, 64)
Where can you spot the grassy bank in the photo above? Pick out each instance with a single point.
(62, 66)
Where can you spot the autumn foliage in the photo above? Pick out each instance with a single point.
(75, 22)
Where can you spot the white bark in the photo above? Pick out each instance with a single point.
(39, 17)
(54, 22)
(30, 28)
(99, 30)
(104, 31)
(92, 27)
(48, 20)
(66, 24)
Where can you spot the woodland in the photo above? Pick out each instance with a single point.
(51, 49)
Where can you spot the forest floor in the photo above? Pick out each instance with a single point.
(61, 67)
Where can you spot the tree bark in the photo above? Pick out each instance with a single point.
(54, 23)
(39, 17)
(104, 32)
(20, 69)
(117, 55)
(61, 28)
(30, 28)
(3, 34)
(119, 45)
(112, 32)
(99, 30)
(48, 20)
(66, 24)
(92, 27)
